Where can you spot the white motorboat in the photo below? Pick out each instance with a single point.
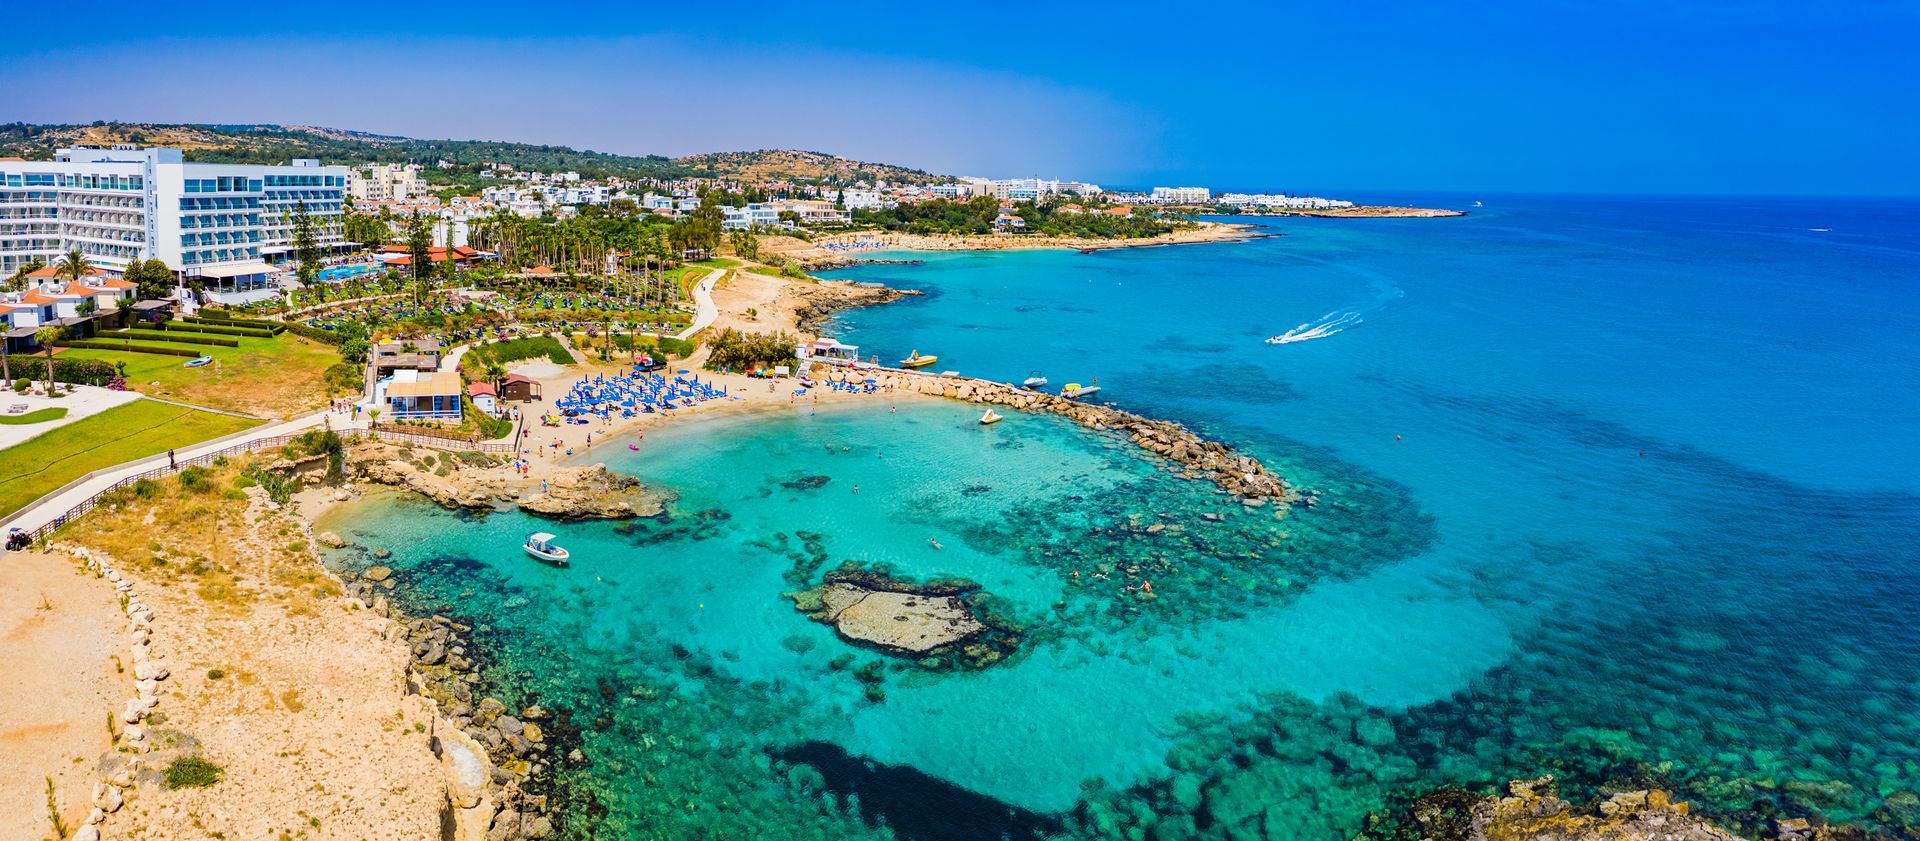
(1034, 380)
(541, 546)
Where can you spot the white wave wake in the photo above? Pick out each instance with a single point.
(1327, 325)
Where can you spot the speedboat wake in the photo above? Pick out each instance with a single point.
(1327, 325)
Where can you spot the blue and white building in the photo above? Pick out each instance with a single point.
(214, 224)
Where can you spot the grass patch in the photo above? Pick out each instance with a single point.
(35, 416)
(120, 434)
(192, 772)
(277, 377)
(515, 350)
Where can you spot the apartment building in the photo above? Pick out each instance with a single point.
(385, 182)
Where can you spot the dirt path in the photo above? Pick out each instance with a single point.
(60, 630)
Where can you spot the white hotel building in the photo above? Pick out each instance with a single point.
(217, 223)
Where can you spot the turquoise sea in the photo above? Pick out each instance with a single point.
(1622, 489)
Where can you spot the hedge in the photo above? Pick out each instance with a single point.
(269, 326)
(88, 371)
(167, 351)
(248, 332)
(326, 336)
(161, 336)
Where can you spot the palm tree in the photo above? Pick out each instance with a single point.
(46, 336)
(19, 278)
(75, 266)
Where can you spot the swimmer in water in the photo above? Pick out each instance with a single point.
(936, 543)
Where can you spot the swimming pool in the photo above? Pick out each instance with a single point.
(338, 273)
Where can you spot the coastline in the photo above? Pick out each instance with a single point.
(1368, 212)
(819, 257)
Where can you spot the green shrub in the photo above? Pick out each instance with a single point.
(196, 479)
(211, 330)
(192, 772)
(176, 338)
(21, 385)
(65, 370)
(126, 346)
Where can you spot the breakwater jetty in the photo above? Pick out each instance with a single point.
(1240, 475)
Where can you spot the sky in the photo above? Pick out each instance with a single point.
(1631, 96)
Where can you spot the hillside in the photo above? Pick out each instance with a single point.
(232, 143)
(776, 164)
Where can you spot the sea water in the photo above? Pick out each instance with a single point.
(1618, 489)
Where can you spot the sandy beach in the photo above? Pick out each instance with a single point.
(816, 255)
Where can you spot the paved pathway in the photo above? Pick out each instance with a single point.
(82, 401)
(45, 509)
(704, 312)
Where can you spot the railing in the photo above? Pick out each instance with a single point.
(204, 459)
(440, 441)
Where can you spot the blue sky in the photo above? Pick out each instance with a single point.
(1606, 96)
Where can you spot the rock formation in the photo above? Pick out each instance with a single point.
(568, 493)
(1534, 812)
(932, 622)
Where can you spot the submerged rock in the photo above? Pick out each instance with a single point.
(1534, 811)
(926, 623)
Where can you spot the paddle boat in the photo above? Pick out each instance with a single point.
(197, 362)
(917, 361)
(540, 545)
(1034, 380)
(1075, 391)
(991, 417)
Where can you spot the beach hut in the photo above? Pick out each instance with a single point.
(484, 397)
(519, 388)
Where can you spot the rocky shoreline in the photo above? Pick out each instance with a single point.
(589, 492)
(819, 301)
(1241, 476)
(499, 766)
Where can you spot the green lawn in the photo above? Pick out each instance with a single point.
(124, 433)
(716, 263)
(277, 377)
(35, 416)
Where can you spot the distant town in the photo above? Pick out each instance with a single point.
(230, 231)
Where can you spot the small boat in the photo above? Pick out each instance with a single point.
(1034, 380)
(1821, 230)
(918, 361)
(633, 447)
(197, 362)
(1479, 203)
(991, 417)
(540, 545)
(1075, 391)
